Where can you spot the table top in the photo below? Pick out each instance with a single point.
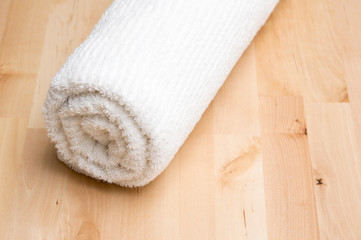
(277, 155)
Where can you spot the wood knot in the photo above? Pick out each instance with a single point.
(242, 163)
(319, 181)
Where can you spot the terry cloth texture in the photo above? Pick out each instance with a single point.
(127, 98)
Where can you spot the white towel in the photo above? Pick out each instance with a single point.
(128, 97)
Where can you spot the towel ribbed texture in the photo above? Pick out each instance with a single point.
(127, 98)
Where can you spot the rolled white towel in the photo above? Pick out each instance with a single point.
(128, 97)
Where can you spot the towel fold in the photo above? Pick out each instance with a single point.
(128, 97)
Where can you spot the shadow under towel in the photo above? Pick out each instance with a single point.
(128, 97)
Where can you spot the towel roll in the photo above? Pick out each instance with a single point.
(128, 97)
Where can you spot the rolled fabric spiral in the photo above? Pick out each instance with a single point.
(127, 98)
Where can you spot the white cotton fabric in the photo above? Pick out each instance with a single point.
(127, 98)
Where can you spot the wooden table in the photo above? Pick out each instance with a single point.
(277, 155)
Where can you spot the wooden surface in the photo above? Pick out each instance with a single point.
(277, 155)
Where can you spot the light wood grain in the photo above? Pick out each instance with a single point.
(350, 17)
(291, 212)
(239, 194)
(304, 36)
(23, 36)
(253, 168)
(4, 10)
(14, 101)
(22, 30)
(12, 135)
(336, 170)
